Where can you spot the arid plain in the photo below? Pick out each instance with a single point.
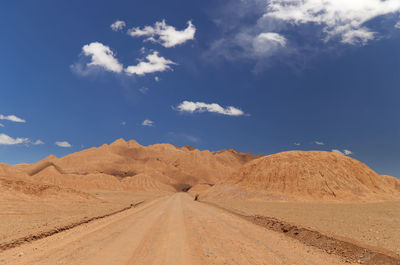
(125, 203)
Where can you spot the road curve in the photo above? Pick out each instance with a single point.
(170, 230)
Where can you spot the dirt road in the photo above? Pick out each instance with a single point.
(169, 230)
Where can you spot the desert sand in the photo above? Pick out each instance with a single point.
(125, 203)
(172, 230)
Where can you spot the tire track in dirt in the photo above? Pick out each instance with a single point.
(348, 250)
(171, 230)
(30, 238)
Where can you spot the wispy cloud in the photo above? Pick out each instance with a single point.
(345, 152)
(261, 29)
(192, 107)
(148, 122)
(144, 90)
(168, 36)
(118, 25)
(154, 63)
(1, 125)
(123, 123)
(183, 137)
(7, 140)
(297, 144)
(319, 143)
(12, 118)
(345, 19)
(157, 79)
(38, 142)
(63, 144)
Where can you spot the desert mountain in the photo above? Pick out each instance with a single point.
(306, 175)
(127, 165)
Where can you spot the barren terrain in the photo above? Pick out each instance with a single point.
(125, 203)
(173, 230)
(20, 219)
(375, 224)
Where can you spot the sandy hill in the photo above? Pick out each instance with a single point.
(18, 189)
(127, 165)
(306, 175)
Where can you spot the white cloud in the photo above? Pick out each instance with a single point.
(358, 36)
(153, 64)
(11, 118)
(319, 143)
(303, 28)
(123, 123)
(268, 42)
(157, 79)
(343, 18)
(345, 152)
(397, 25)
(64, 144)
(297, 144)
(191, 107)
(148, 122)
(183, 137)
(337, 151)
(164, 34)
(143, 90)
(272, 37)
(118, 25)
(1, 125)
(7, 140)
(38, 142)
(101, 56)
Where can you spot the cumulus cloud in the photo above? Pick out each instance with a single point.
(267, 30)
(342, 18)
(64, 144)
(12, 118)
(319, 143)
(154, 63)
(38, 142)
(168, 36)
(345, 152)
(148, 122)
(7, 140)
(118, 25)
(192, 107)
(101, 56)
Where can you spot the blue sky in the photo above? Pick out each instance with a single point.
(324, 78)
